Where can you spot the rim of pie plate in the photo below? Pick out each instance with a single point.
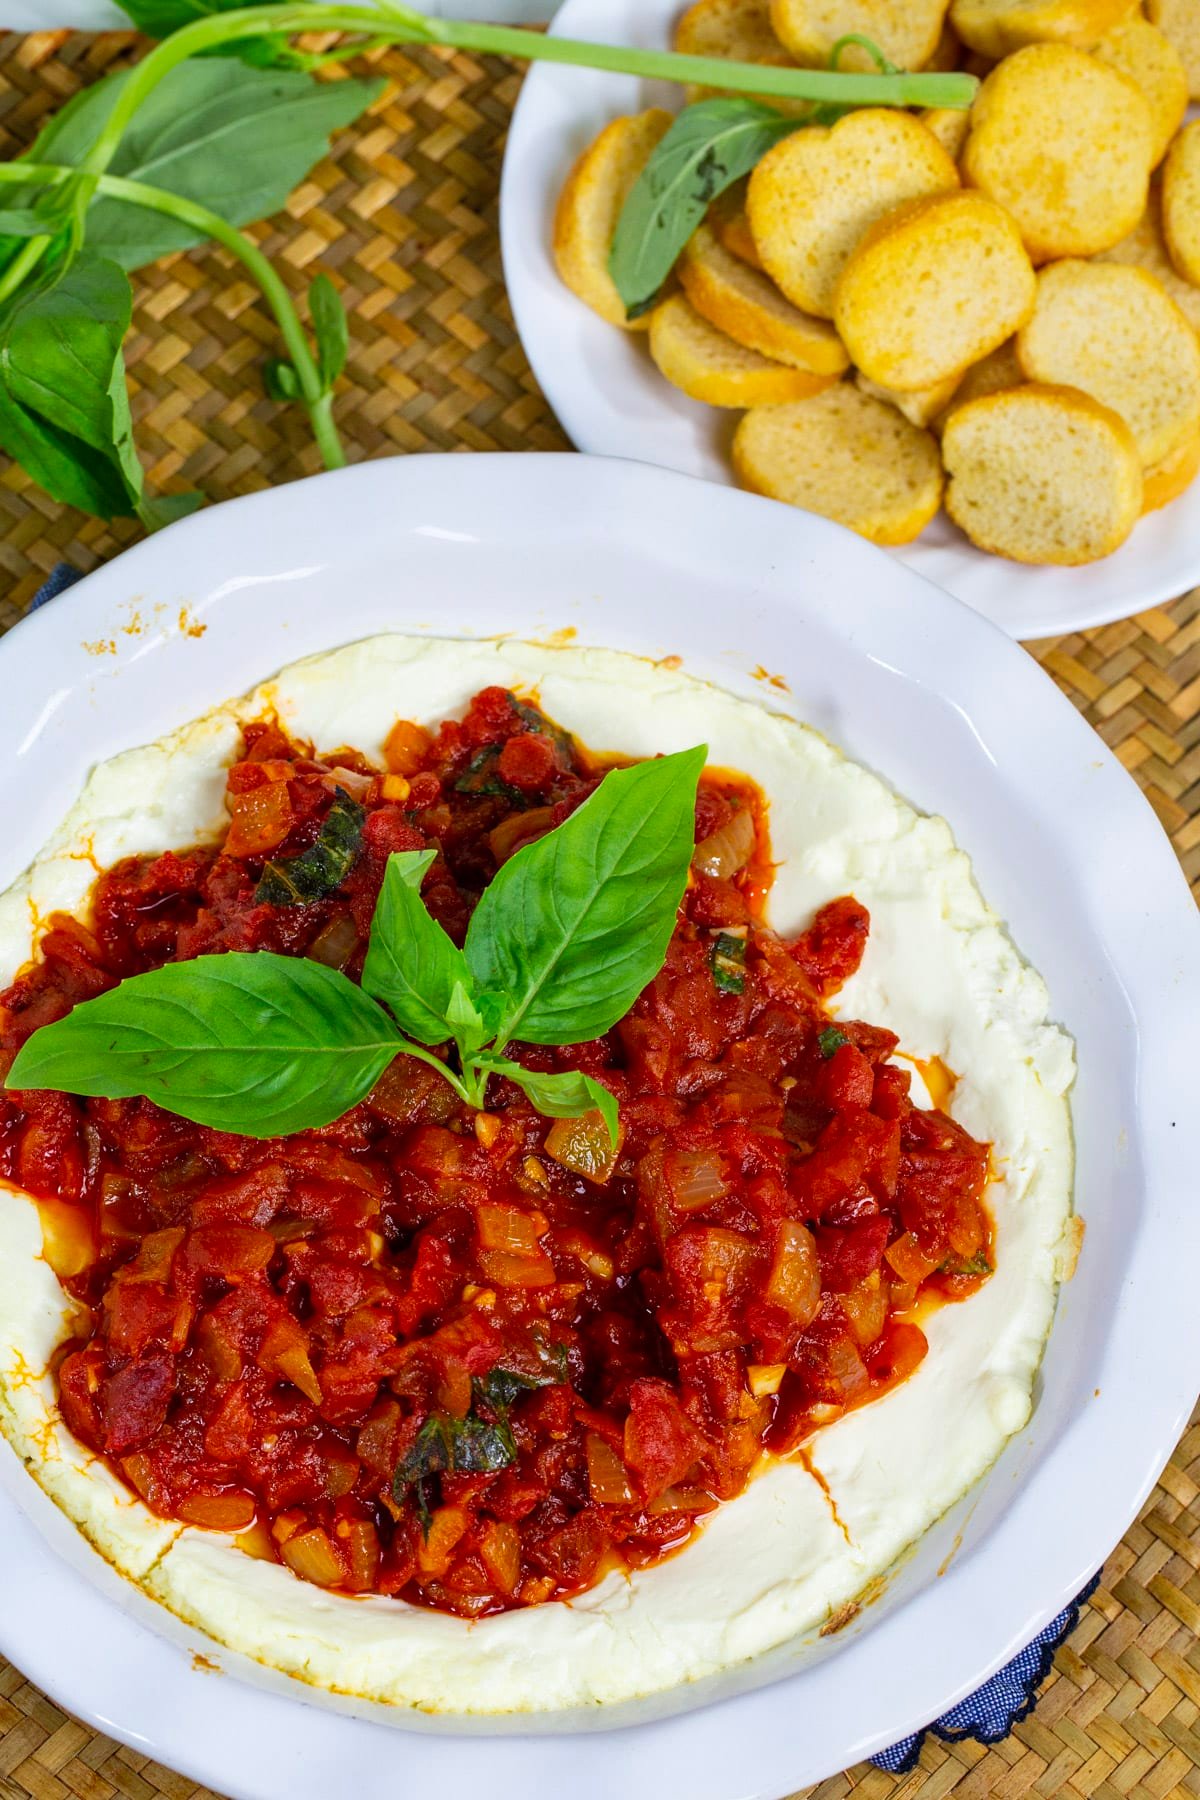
(827, 554)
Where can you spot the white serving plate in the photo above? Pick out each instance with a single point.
(612, 401)
(962, 722)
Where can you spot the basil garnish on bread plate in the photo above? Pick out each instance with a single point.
(560, 946)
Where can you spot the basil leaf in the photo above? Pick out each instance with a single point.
(164, 509)
(831, 1040)
(329, 328)
(159, 18)
(254, 1043)
(321, 869)
(710, 146)
(565, 1095)
(481, 776)
(412, 966)
(59, 347)
(281, 380)
(573, 926)
(64, 409)
(446, 1446)
(727, 960)
(67, 469)
(233, 138)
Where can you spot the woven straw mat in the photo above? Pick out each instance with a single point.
(404, 216)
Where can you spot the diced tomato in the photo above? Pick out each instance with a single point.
(473, 1359)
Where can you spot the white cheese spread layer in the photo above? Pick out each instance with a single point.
(939, 970)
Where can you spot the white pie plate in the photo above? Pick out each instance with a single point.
(962, 722)
(612, 401)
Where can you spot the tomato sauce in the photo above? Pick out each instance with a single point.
(473, 1359)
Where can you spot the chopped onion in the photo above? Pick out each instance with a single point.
(729, 849)
(435, 1554)
(848, 1369)
(695, 1177)
(584, 1146)
(512, 1270)
(311, 1555)
(219, 1512)
(765, 1378)
(501, 1552)
(911, 1263)
(353, 781)
(335, 944)
(607, 1477)
(865, 1306)
(362, 1545)
(507, 1228)
(795, 1280)
(518, 829)
(68, 1241)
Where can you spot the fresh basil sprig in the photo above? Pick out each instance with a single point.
(563, 941)
(710, 146)
(232, 138)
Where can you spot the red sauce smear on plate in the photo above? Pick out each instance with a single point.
(271, 1330)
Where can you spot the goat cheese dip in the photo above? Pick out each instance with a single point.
(807, 1535)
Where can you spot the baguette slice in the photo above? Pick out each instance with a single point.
(921, 407)
(813, 197)
(1140, 51)
(996, 28)
(736, 31)
(1066, 146)
(994, 375)
(1180, 21)
(1181, 203)
(846, 456)
(934, 287)
(697, 358)
(949, 125)
(1042, 475)
(1113, 333)
(1167, 480)
(1145, 248)
(590, 205)
(907, 31)
(745, 304)
(729, 224)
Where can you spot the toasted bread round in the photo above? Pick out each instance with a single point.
(744, 303)
(1173, 476)
(1180, 21)
(949, 125)
(1113, 333)
(993, 375)
(727, 219)
(1142, 52)
(1145, 248)
(1066, 145)
(590, 205)
(707, 365)
(1181, 203)
(737, 31)
(907, 31)
(846, 456)
(996, 28)
(814, 196)
(1042, 475)
(933, 287)
(947, 52)
(921, 407)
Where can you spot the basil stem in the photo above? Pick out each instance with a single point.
(398, 24)
(317, 400)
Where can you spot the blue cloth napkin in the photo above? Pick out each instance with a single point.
(1012, 1693)
(990, 1713)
